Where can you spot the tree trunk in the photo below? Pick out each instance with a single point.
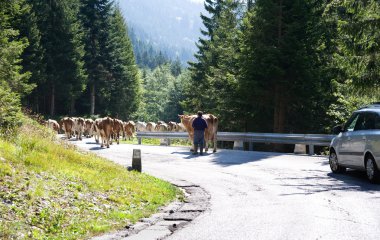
(278, 117)
(37, 103)
(279, 109)
(92, 111)
(72, 106)
(52, 100)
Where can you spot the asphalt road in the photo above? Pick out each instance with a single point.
(256, 195)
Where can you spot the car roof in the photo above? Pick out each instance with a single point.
(373, 107)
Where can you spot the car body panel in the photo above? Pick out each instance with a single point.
(353, 143)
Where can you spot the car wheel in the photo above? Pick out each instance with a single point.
(334, 164)
(371, 170)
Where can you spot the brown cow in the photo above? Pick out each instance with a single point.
(141, 126)
(172, 127)
(151, 127)
(68, 126)
(95, 129)
(117, 129)
(79, 127)
(88, 127)
(105, 126)
(53, 125)
(129, 129)
(181, 127)
(161, 126)
(210, 132)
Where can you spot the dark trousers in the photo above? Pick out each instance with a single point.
(199, 139)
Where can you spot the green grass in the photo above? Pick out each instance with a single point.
(48, 190)
(153, 141)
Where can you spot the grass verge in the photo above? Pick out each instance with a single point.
(50, 191)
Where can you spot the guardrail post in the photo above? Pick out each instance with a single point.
(311, 149)
(168, 141)
(238, 145)
(250, 146)
(139, 140)
(299, 149)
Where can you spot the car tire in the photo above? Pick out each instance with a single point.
(334, 164)
(372, 171)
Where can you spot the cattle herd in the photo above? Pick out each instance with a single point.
(106, 130)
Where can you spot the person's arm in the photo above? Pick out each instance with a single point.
(205, 123)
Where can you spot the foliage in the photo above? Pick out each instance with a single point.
(162, 94)
(9, 113)
(349, 99)
(358, 38)
(282, 77)
(11, 48)
(147, 56)
(57, 60)
(50, 191)
(124, 83)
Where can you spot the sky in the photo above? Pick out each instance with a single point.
(198, 1)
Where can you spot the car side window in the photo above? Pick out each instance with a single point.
(369, 122)
(360, 123)
(377, 121)
(350, 125)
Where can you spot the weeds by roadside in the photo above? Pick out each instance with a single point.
(50, 191)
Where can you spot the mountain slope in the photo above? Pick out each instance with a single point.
(171, 25)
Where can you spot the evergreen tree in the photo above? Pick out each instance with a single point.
(222, 76)
(33, 55)
(176, 67)
(13, 82)
(196, 100)
(61, 39)
(95, 15)
(125, 80)
(281, 73)
(11, 49)
(357, 40)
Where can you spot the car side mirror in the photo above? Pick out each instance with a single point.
(337, 129)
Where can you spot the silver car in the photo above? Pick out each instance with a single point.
(357, 144)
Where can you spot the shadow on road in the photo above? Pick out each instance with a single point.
(349, 181)
(96, 148)
(229, 158)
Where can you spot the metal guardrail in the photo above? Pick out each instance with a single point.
(239, 138)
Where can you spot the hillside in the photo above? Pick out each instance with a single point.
(173, 25)
(50, 191)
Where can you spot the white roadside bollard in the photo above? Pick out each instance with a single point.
(238, 145)
(299, 149)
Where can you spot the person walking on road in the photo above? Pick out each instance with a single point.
(199, 125)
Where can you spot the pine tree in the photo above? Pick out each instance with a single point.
(176, 67)
(11, 48)
(222, 76)
(125, 80)
(204, 60)
(61, 39)
(13, 82)
(358, 40)
(33, 55)
(280, 64)
(95, 15)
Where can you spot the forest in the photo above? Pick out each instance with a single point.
(284, 66)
